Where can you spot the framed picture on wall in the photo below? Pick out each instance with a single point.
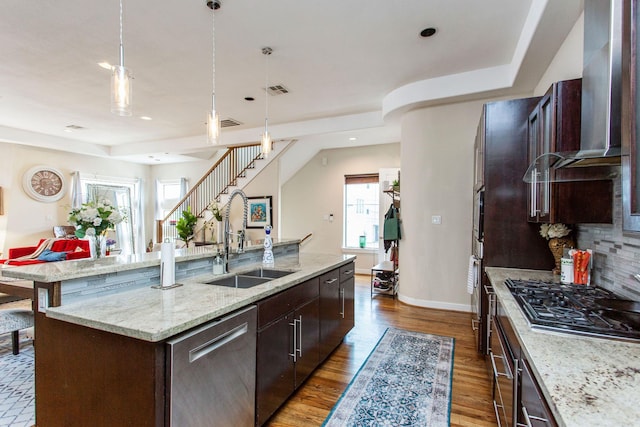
(259, 212)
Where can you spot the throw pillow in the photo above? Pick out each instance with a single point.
(49, 256)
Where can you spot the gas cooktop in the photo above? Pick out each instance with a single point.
(574, 308)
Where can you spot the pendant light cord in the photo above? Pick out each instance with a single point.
(267, 52)
(213, 59)
(121, 42)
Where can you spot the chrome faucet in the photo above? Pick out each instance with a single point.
(227, 231)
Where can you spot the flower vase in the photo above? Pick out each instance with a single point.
(557, 245)
(97, 246)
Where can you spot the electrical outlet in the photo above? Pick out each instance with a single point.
(436, 219)
(43, 300)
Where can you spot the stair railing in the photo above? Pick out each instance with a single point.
(215, 182)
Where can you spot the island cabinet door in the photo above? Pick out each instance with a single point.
(347, 293)
(330, 308)
(307, 330)
(275, 376)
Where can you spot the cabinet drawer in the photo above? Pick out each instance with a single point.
(278, 305)
(330, 277)
(347, 272)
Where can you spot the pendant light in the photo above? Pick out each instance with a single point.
(213, 120)
(121, 82)
(266, 138)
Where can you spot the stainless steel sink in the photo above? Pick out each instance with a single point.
(249, 279)
(239, 281)
(267, 272)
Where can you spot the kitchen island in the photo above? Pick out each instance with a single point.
(102, 353)
(585, 381)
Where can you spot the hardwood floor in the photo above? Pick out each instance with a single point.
(471, 403)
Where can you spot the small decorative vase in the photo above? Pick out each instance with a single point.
(96, 246)
(556, 245)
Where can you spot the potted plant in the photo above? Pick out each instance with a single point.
(186, 225)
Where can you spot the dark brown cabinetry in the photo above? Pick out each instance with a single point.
(534, 410)
(84, 377)
(336, 307)
(563, 195)
(517, 398)
(504, 237)
(630, 123)
(287, 345)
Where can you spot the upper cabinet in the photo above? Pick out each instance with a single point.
(562, 195)
(630, 123)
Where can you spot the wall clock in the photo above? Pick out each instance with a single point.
(44, 183)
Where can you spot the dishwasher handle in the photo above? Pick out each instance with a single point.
(217, 342)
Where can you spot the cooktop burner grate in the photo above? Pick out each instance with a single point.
(574, 309)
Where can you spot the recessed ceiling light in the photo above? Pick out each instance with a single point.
(105, 65)
(145, 118)
(353, 138)
(427, 32)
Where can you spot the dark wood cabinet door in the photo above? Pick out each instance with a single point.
(347, 289)
(330, 305)
(533, 409)
(307, 340)
(275, 374)
(563, 195)
(630, 123)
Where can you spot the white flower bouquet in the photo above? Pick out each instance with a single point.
(551, 231)
(95, 218)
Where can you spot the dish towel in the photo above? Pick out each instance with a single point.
(471, 275)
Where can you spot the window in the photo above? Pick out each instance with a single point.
(361, 207)
(169, 193)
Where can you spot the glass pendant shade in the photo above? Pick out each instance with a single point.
(266, 144)
(120, 90)
(213, 126)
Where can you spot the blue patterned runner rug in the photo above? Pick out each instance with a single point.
(405, 381)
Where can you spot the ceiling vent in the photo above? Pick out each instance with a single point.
(227, 123)
(277, 90)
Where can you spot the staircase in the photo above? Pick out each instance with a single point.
(235, 169)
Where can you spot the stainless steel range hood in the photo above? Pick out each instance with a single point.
(601, 87)
(601, 98)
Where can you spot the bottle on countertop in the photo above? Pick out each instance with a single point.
(267, 258)
(218, 265)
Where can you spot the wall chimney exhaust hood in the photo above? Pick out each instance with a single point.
(601, 97)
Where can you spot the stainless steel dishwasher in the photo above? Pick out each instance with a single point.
(211, 373)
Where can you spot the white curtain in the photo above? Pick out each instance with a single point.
(76, 190)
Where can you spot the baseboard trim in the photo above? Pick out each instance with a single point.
(441, 305)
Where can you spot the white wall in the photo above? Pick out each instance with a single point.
(317, 190)
(567, 63)
(437, 168)
(26, 220)
(437, 179)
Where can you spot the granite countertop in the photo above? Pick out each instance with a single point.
(66, 270)
(154, 315)
(587, 381)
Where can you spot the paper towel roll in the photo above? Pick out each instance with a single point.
(167, 264)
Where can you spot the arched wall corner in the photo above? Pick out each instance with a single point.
(436, 155)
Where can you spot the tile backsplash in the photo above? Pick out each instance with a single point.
(616, 254)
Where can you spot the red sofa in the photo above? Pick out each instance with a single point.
(70, 246)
